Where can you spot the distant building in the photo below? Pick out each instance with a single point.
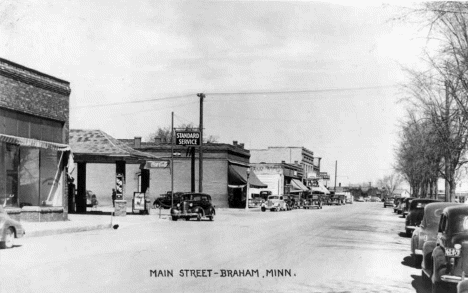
(278, 176)
(34, 126)
(290, 155)
(401, 193)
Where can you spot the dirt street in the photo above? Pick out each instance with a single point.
(352, 248)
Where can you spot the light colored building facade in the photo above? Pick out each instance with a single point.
(290, 155)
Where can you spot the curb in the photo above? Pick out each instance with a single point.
(66, 230)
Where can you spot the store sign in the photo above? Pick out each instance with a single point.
(324, 175)
(157, 164)
(188, 138)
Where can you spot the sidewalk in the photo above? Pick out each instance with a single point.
(94, 220)
(101, 219)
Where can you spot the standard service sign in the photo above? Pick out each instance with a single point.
(189, 138)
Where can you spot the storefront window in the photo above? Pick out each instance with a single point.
(51, 178)
(9, 160)
(28, 189)
(33, 176)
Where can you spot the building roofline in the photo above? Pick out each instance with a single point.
(33, 77)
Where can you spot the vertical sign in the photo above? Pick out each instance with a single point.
(119, 186)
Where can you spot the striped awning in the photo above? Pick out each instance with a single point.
(29, 142)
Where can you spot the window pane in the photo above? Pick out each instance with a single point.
(28, 190)
(51, 178)
(9, 161)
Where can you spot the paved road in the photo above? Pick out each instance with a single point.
(352, 248)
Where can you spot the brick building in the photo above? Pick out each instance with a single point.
(224, 171)
(34, 126)
(290, 155)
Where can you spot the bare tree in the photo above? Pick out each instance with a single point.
(439, 93)
(391, 182)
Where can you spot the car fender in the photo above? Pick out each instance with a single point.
(428, 248)
(199, 210)
(414, 240)
(439, 262)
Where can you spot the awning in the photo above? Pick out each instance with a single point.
(238, 177)
(29, 142)
(298, 185)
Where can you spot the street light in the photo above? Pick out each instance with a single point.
(247, 191)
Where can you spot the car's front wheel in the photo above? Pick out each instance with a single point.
(9, 239)
(263, 209)
(211, 218)
(199, 216)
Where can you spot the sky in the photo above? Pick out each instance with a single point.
(323, 75)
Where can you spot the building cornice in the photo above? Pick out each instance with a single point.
(32, 77)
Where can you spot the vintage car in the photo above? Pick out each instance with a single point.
(274, 203)
(313, 200)
(165, 200)
(9, 229)
(292, 201)
(427, 230)
(416, 212)
(406, 205)
(194, 205)
(360, 199)
(388, 202)
(450, 252)
(396, 203)
(337, 199)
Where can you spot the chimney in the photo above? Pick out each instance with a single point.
(283, 162)
(234, 142)
(339, 184)
(157, 140)
(241, 145)
(137, 142)
(319, 159)
(296, 162)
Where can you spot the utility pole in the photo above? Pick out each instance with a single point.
(172, 160)
(200, 163)
(336, 168)
(447, 159)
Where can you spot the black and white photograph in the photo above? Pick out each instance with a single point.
(233, 146)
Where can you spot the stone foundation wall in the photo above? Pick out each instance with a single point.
(42, 214)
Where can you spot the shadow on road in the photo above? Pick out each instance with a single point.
(418, 285)
(402, 234)
(408, 261)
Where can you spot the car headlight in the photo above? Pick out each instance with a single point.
(178, 205)
(457, 246)
(190, 205)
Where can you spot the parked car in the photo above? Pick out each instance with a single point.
(313, 200)
(274, 203)
(9, 229)
(360, 199)
(405, 206)
(450, 252)
(415, 215)
(256, 201)
(388, 202)
(194, 205)
(165, 200)
(427, 230)
(396, 203)
(292, 201)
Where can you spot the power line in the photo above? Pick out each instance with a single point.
(237, 93)
(136, 102)
(303, 91)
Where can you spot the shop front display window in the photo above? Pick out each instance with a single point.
(9, 161)
(51, 178)
(30, 176)
(28, 188)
